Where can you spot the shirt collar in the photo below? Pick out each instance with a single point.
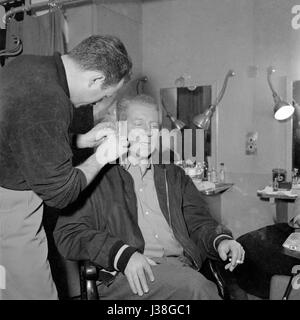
(127, 165)
(62, 77)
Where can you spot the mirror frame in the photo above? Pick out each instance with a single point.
(289, 128)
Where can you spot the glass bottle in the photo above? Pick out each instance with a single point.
(295, 176)
(214, 177)
(209, 175)
(199, 170)
(222, 172)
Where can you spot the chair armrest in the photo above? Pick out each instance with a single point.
(88, 278)
(90, 270)
(212, 270)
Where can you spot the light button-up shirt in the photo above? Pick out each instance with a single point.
(158, 235)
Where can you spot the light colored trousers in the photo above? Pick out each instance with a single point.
(174, 280)
(23, 248)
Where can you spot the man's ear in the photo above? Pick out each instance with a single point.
(96, 80)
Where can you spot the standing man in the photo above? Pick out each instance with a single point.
(37, 95)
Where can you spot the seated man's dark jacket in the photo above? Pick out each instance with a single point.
(105, 218)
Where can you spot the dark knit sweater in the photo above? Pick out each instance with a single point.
(35, 116)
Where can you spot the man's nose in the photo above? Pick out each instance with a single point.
(148, 130)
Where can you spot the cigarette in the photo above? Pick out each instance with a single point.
(237, 261)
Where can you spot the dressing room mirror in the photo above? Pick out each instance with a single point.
(184, 103)
(296, 125)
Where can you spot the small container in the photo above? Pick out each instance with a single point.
(192, 172)
(222, 172)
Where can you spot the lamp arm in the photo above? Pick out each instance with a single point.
(230, 73)
(270, 71)
(163, 104)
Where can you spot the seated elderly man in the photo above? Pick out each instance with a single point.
(146, 223)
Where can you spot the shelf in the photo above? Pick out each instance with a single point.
(217, 188)
(268, 192)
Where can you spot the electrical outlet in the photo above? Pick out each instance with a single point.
(251, 143)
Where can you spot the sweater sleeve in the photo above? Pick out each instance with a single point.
(44, 157)
(84, 234)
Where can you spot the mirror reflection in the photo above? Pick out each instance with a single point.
(183, 103)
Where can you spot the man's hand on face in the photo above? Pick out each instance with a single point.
(94, 137)
(233, 250)
(112, 146)
(138, 267)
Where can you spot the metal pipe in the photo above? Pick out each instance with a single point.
(3, 2)
(50, 4)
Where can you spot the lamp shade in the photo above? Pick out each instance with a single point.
(202, 120)
(176, 122)
(283, 110)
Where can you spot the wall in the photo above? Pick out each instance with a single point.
(203, 40)
(115, 17)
